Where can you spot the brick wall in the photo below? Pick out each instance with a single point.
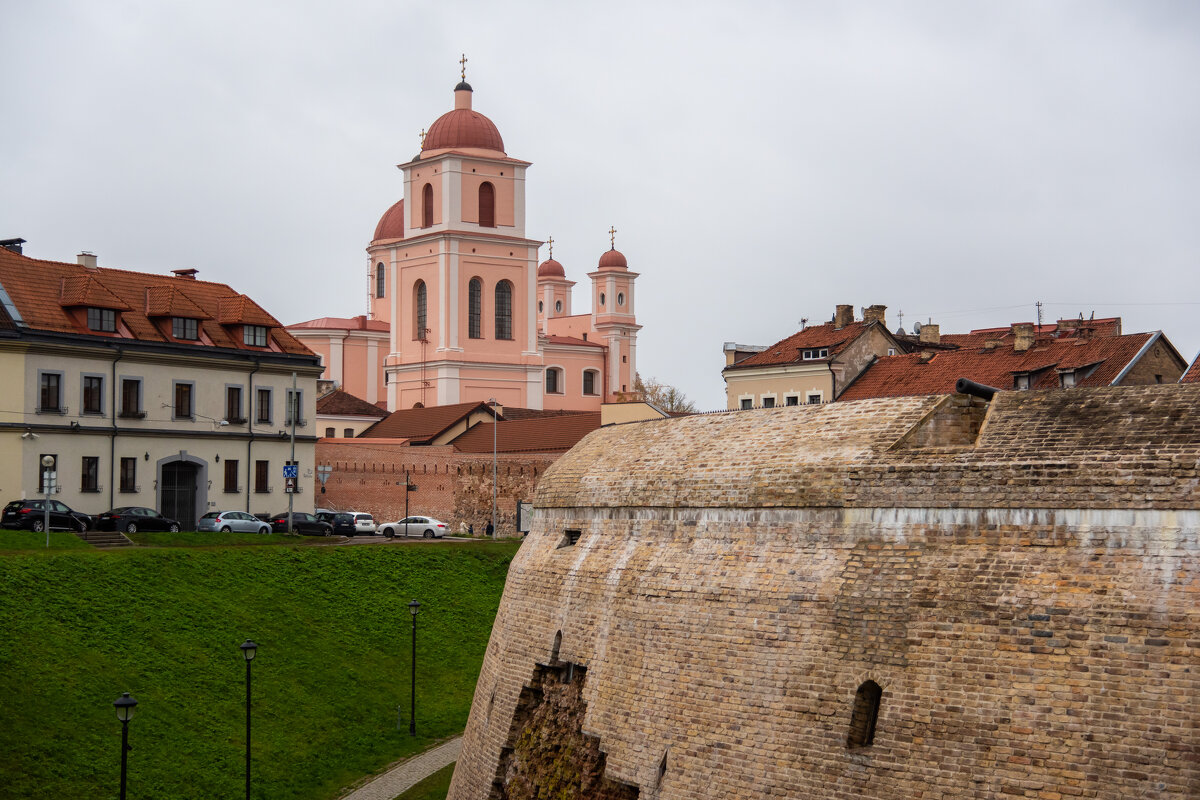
(369, 475)
(1034, 629)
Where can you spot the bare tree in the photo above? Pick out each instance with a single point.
(663, 396)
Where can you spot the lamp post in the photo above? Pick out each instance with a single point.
(125, 706)
(47, 464)
(249, 648)
(492, 402)
(413, 608)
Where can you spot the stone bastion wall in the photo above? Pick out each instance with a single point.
(705, 606)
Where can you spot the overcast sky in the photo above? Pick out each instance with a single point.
(957, 161)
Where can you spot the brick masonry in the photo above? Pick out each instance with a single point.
(1028, 602)
(368, 475)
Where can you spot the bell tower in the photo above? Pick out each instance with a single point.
(613, 317)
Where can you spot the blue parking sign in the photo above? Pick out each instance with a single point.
(291, 470)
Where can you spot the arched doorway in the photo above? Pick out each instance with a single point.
(182, 489)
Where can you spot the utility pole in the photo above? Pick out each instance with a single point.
(295, 413)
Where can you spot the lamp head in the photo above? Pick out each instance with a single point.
(47, 461)
(125, 706)
(414, 607)
(249, 648)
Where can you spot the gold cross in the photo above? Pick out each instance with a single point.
(550, 241)
(463, 62)
(422, 138)
(612, 237)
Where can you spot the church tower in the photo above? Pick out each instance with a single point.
(613, 317)
(453, 273)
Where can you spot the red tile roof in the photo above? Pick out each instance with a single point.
(911, 374)
(572, 341)
(1193, 373)
(48, 293)
(509, 413)
(359, 323)
(536, 434)
(341, 403)
(791, 350)
(421, 424)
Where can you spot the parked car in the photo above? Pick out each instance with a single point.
(301, 523)
(427, 527)
(342, 522)
(364, 523)
(30, 515)
(132, 519)
(227, 521)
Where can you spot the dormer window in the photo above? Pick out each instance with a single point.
(813, 354)
(103, 320)
(254, 335)
(184, 328)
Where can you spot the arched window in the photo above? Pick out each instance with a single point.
(487, 205)
(419, 303)
(558, 306)
(427, 206)
(379, 280)
(554, 381)
(541, 308)
(862, 718)
(504, 310)
(474, 308)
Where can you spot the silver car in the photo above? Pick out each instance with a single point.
(427, 527)
(228, 521)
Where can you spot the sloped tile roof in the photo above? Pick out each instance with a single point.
(912, 375)
(791, 350)
(36, 287)
(515, 412)
(168, 301)
(88, 290)
(571, 340)
(420, 424)
(340, 403)
(1193, 373)
(359, 323)
(534, 434)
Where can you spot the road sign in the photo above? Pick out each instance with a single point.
(289, 485)
(291, 470)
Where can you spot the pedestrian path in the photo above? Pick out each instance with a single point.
(407, 774)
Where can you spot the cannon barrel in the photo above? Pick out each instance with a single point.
(968, 386)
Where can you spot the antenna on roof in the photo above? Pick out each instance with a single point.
(803, 323)
(1039, 310)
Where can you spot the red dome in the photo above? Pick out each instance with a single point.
(391, 224)
(551, 269)
(613, 259)
(463, 127)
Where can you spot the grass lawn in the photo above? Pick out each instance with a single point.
(334, 635)
(28, 540)
(213, 539)
(435, 787)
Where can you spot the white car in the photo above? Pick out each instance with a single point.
(427, 527)
(363, 523)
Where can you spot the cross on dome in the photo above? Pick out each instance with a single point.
(612, 237)
(550, 241)
(463, 63)
(422, 138)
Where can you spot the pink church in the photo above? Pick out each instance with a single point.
(460, 310)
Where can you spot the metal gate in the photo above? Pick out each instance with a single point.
(179, 493)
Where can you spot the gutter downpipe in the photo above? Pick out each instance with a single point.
(250, 417)
(112, 438)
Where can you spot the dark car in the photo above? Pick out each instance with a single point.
(301, 523)
(341, 522)
(31, 516)
(131, 519)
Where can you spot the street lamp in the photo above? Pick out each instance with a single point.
(492, 402)
(413, 608)
(47, 464)
(125, 706)
(249, 648)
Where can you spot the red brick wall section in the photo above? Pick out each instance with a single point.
(368, 475)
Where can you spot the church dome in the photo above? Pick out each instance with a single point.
(551, 269)
(462, 127)
(391, 224)
(613, 259)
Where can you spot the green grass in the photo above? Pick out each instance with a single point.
(28, 540)
(435, 787)
(334, 636)
(212, 539)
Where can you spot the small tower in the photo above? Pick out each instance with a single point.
(613, 317)
(553, 290)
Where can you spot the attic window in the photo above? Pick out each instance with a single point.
(102, 319)
(254, 335)
(1066, 379)
(1021, 381)
(184, 328)
(569, 538)
(813, 354)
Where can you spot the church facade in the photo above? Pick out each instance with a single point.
(469, 312)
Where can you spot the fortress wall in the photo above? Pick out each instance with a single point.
(1040, 654)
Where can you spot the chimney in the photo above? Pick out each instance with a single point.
(931, 334)
(187, 274)
(874, 314)
(843, 316)
(87, 259)
(1023, 334)
(12, 244)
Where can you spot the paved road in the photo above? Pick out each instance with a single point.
(407, 774)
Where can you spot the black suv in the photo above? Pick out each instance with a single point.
(30, 515)
(342, 523)
(301, 523)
